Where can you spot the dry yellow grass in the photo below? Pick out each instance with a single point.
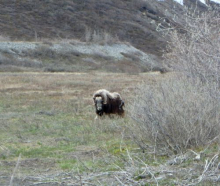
(71, 85)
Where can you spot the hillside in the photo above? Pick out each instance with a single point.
(74, 56)
(133, 21)
(132, 24)
(132, 27)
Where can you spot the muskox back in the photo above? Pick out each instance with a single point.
(115, 106)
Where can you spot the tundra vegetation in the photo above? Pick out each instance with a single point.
(169, 135)
(181, 114)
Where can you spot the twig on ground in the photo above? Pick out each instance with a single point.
(14, 171)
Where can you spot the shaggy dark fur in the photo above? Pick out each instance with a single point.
(108, 103)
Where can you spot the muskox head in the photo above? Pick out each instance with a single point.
(99, 105)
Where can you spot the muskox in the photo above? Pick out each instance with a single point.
(108, 103)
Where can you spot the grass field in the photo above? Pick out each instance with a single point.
(47, 122)
(48, 135)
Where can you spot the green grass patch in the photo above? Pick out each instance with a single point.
(41, 151)
(67, 164)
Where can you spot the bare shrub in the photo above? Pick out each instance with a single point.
(109, 39)
(88, 35)
(175, 114)
(47, 42)
(102, 56)
(99, 36)
(43, 51)
(19, 62)
(90, 60)
(4, 38)
(132, 56)
(196, 52)
(183, 111)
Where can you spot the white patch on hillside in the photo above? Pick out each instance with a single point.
(179, 1)
(216, 1)
(202, 1)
